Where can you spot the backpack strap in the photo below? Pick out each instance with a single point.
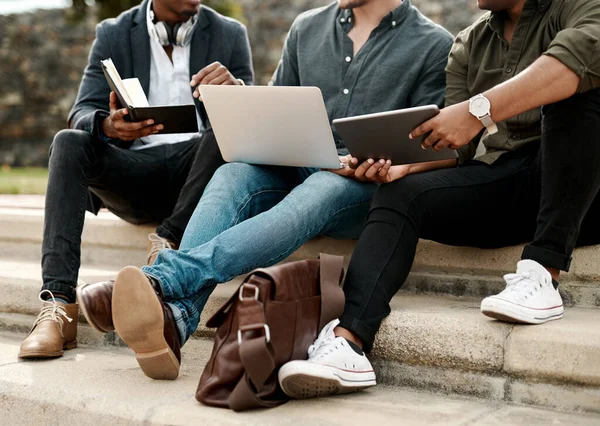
(256, 355)
(332, 295)
(255, 349)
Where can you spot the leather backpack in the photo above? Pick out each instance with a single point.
(275, 315)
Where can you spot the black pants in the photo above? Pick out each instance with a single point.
(162, 184)
(545, 193)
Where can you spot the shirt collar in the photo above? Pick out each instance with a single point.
(392, 19)
(496, 19)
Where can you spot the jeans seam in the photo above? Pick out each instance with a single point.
(79, 229)
(305, 236)
(249, 198)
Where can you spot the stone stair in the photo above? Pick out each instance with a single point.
(434, 340)
(103, 386)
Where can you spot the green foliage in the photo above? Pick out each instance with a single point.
(111, 8)
(227, 7)
(27, 180)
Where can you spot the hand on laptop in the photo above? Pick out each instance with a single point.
(215, 74)
(115, 127)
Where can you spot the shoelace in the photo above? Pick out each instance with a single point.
(522, 282)
(51, 311)
(325, 337)
(158, 244)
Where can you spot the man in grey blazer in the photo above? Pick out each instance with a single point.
(140, 175)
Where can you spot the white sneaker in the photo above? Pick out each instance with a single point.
(529, 297)
(333, 367)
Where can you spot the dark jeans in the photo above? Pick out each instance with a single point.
(545, 193)
(162, 185)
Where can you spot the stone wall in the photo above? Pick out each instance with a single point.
(43, 54)
(42, 57)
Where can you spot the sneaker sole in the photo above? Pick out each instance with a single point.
(83, 309)
(314, 381)
(503, 310)
(139, 321)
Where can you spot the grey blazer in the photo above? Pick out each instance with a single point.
(125, 39)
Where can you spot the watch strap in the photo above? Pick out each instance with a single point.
(489, 124)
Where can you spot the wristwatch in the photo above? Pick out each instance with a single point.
(480, 106)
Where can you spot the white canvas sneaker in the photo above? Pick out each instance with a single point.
(333, 367)
(529, 297)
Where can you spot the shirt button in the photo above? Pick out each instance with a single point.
(393, 23)
(348, 58)
(350, 19)
(346, 91)
(343, 20)
(508, 70)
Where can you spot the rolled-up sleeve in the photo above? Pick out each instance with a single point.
(456, 86)
(456, 71)
(577, 43)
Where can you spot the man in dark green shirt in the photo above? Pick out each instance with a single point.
(523, 109)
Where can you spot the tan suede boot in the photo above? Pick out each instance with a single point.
(54, 330)
(156, 244)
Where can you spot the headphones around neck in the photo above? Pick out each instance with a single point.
(179, 35)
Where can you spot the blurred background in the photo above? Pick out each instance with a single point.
(44, 45)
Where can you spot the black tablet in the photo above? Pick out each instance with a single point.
(385, 135)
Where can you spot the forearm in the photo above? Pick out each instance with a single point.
(431, 165)
(546, 81)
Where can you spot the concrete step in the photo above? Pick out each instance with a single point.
(109, 242)
(444, 344)
(22, 201)
(91, 386)
(21, 282)
(106, 239)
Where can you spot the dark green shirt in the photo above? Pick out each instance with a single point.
(401, 65)
(567, 30)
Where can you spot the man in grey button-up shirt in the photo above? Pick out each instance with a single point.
(380, 55)
(399, 66)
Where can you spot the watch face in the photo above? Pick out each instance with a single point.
(480, 106)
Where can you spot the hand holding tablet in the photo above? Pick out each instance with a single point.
(386, 136)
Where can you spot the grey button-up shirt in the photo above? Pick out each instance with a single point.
(400, 66)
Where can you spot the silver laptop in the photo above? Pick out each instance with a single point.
(280, 126)
(385, 135)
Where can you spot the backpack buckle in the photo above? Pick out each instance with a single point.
(254, 327)
(249, 286)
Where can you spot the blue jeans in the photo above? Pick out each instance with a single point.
(251, 217)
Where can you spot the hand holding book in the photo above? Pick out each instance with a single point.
(131, 97)
(115, 127)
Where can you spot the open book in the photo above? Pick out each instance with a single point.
(174, 118)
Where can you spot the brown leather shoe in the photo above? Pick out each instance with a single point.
(95, 301)
(146, 324)
(54, 330)
(156, 244)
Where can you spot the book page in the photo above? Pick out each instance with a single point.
(116, 79)
(135, 92)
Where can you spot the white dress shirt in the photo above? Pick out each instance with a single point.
(169, 85)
